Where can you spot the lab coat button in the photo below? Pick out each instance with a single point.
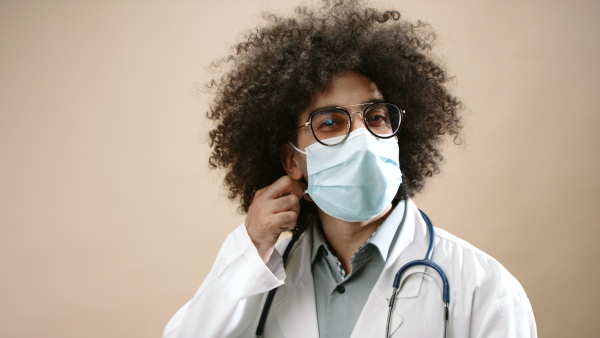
(341, 289)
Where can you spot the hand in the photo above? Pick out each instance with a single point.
(274, 209)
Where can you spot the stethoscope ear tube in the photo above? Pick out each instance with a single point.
(271, 294)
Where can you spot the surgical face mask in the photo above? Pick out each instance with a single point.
(356, 180)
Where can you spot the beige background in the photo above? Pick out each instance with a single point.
(110, 219)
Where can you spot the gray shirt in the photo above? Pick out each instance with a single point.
(340, 298)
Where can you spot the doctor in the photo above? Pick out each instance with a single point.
(329, 121)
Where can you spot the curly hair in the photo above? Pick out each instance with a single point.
(271, 76)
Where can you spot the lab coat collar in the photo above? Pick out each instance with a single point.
(382, 237)
(411, 245)
(294, 305)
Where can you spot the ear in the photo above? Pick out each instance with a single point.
(290, 162)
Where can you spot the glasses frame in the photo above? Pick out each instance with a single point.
(362, 114)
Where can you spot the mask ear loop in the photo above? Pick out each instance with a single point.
(298, 150)
(301, 152)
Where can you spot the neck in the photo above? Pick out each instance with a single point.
(344, 238)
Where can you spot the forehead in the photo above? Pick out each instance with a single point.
(345, 89)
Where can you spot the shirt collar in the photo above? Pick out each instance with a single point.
(317, 240)
(382, 237)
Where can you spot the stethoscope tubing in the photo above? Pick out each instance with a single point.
(271, 294)
(396, 285)
(425, 262)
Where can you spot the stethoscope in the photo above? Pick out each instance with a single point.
(396, 286)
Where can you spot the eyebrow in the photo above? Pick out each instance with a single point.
(351, 105)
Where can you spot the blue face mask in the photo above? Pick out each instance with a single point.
(356, 180)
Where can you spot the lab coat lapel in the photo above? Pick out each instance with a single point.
(294, 305)
(411, 245)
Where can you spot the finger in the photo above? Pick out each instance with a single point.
(258, 193)
(289, 202)
(287, 220)
(283, 186)
(298, 188)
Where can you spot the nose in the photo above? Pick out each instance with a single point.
(357, 120)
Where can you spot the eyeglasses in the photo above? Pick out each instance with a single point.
(332, 125)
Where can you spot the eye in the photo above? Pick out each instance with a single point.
(328, 120)
(328, 123)
(377, 115)
(377, 118)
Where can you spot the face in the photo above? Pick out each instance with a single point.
(346, 89)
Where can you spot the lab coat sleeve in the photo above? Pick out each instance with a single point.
(501, 308)
(228, 301)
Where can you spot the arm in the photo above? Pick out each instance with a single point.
(507, 313)
(228, 300)
(227, 303)
(501, 309)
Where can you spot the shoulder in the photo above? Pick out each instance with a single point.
(471, 265)
(486, 288)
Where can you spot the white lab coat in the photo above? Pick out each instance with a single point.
(485, 299)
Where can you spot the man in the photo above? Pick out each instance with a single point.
(329, 121)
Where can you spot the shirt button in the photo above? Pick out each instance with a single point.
(341, 289)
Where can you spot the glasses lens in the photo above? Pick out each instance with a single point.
(328, 125)
(383, 119)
